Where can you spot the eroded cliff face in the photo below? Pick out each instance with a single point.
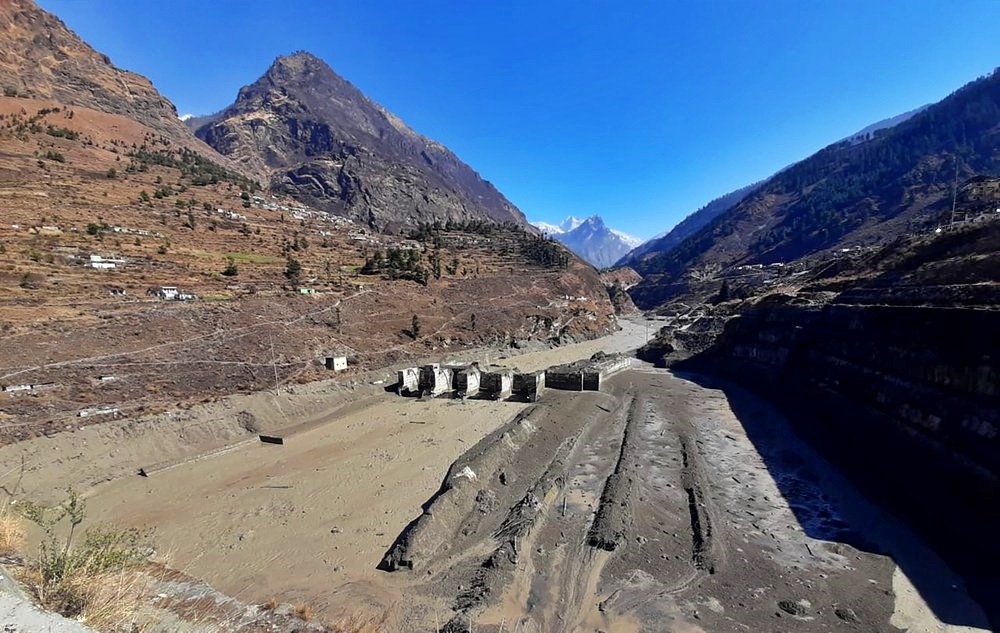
(903, 398)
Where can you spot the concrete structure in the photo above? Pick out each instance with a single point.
(435, 379)
(585, 375)
(336, 363)
(497, 383)
(164, 292)
(565, 378)
(468, 379)
(591, 379)
(86, 413)
(105, 263)
(408, 380)
(529, 386)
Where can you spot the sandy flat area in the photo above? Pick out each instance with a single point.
(719, 531)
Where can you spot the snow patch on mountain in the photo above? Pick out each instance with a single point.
(591, 239)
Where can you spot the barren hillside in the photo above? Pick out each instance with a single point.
(98, 210)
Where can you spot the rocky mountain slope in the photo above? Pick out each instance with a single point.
(102, 210)
(312, 135)
(848, 194)
(687, 227)
(591, 239)
(694, 222)
(99, 209)
(42, 59)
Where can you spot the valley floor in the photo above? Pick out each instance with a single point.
(706, 512)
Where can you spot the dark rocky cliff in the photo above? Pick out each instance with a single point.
(888, 362)
(903, 398)
(315, 136)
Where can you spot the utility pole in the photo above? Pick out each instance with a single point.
(954, 191)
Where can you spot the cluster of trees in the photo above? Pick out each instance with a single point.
(511, 239)
(397, 263)
(543, 250)
(191, 164)
(431, 231)
(22, 125)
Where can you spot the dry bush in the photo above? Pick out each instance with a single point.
(98, 579)
(303, 612)
(270, 605)
(109, 602)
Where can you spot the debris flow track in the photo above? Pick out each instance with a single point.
(647, 506)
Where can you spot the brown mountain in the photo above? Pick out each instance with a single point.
(316, 137)
(40, 58)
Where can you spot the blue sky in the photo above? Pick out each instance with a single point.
(640, 111)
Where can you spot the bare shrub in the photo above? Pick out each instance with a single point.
(97, 579)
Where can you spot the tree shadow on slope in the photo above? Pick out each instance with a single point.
(851, 478)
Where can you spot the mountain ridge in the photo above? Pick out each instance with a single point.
(846, 194)
(43, 59)
(313, 135)
(694, 221)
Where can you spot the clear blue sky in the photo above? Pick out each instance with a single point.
(640, 111)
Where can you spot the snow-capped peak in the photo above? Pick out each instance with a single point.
(570, 223)
(591, 239)
(631, 240)
(545, 227)
(565, 226)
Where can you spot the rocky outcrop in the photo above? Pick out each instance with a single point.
(316, 137)
(42, 59)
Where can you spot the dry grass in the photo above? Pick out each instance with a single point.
(11, 531)
(114, 601)
(303, 612)
(358, 623)
(108, 602)
(270, 605)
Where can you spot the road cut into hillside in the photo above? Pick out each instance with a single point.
(662, 502)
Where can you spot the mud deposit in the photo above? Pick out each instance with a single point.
(661, 503)
(648, 508)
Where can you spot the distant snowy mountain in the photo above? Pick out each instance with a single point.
(565, 226)
(591, 239)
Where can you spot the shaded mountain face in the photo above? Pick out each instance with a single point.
(849, 194)
(699, 219)
(687, 227)
(314, 136)
(591, 239)
(42, 59)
